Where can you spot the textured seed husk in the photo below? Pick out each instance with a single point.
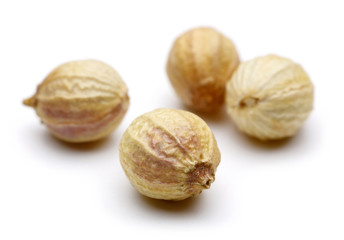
(81, 101)
(269, 97)
(200, 63)
(169, 154)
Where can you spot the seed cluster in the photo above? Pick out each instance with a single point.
(167, 153)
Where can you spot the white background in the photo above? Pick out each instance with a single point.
(289, 189)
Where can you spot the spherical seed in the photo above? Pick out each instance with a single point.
(169, 154)
(269, 97)
(200, 63)
(81, 101)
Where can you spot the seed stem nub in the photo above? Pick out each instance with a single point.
(31, 102)
(248, 102)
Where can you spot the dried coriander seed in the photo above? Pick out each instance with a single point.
(81, 101)
(169, 154)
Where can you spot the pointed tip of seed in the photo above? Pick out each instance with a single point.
(31, 102)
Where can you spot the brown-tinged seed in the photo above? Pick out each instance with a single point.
(81, 101)
(200, 63)
(169, 154)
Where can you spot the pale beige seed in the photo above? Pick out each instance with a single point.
(200, 63)
(169, 154)
(269, 97)
(81, 101)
